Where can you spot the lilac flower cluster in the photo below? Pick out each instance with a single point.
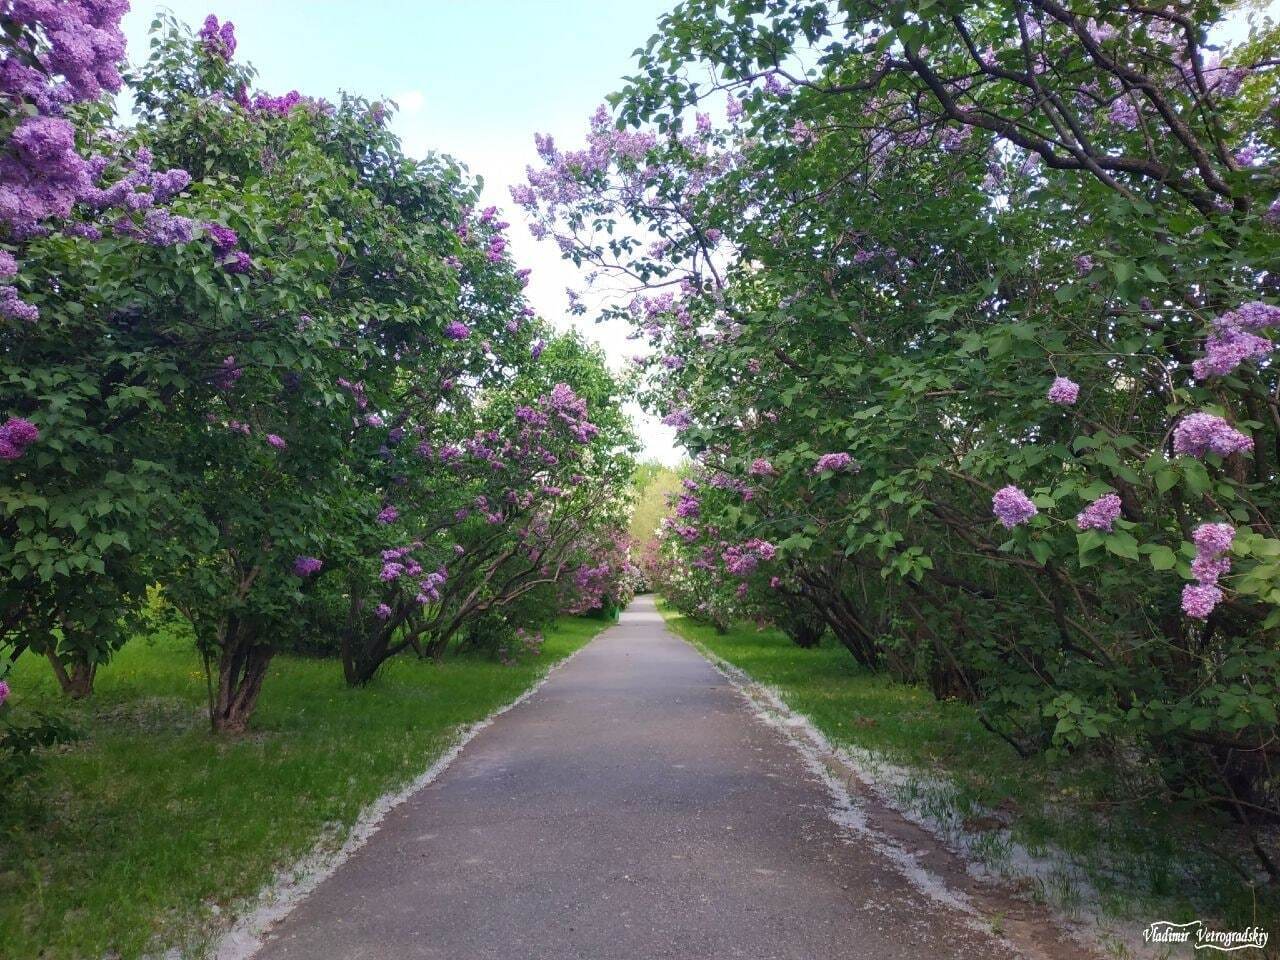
(1235, 340)
(67, 51)
(835, 462)
(688, 506)
(741, 559)
(1212, 541)
(1063, 392)
(16, 434)
(1012, 507)
(42, 176)
(1101, 514)
(4, 691)
(429, 586)
(457, 330)
(228, 374)
(224, 239)
(760, 467)
(304, 566)
(218, 40)
(356, 389)
(1123, 113)
(280, 106)
(276, 441)
(1198, 434)
(388, 515)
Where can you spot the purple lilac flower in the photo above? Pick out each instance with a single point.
(1123, 113)
(1234, 340)
(276, 441)
(1200, 433)
(1213, 538)
(278, 106)
(383, 612)
(1012, 507)
(1063, 392)
(224, 239)
(536, 350)
(1084, 264)
(218, 41)
(304, 566)
(160, 228)
(457, 330)
(16, 434)
(1250, 316)
(388, 514)
(802, 134)
(4, 691)
(760, 467)
(1198, 600)
(835, 462)
(238, 262)
(13, 307)
(1226, 350)
(1212, 541)
(1101, 514)
(680, 419)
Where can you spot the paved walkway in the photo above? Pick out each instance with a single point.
(632, 809)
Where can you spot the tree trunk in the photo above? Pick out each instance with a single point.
(78, 684)
(362, 655)
(805, 635)
(242, 666)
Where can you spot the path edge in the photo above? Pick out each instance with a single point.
(294, 883)
(838, 768)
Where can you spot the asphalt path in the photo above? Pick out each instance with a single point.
(634, 808)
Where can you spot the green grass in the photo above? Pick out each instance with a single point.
(132, 836)
(1145, 859)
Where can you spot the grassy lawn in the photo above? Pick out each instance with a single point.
(1144, 859)
(145, 827)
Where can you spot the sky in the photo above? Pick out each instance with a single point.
(473, 78)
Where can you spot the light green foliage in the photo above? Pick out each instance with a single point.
(652, 484)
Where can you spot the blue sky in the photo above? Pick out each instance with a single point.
(473, 79)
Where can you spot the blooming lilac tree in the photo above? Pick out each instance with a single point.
(495, 508)
(224, 376)
(966, 312)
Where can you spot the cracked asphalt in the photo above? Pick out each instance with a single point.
(633, 808)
